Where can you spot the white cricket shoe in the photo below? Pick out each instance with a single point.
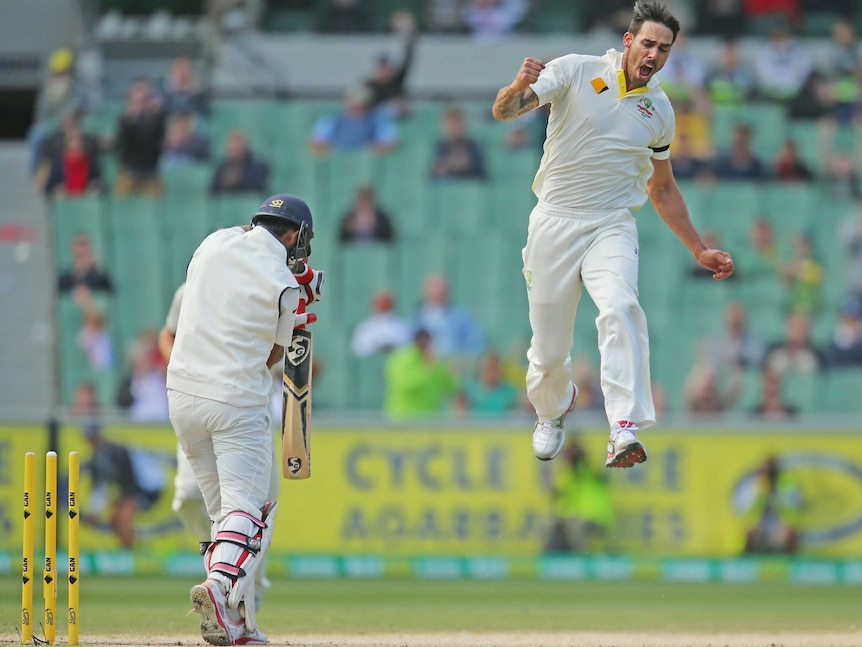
(220, 625)
(624, 448)
(549, 436)
(251, 638)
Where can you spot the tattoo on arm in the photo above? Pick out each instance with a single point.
(509, 105)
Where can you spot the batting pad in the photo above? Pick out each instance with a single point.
(239, 540)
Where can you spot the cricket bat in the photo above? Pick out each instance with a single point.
(296, 412)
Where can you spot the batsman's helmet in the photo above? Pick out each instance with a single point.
(289, 208)
(286, 207)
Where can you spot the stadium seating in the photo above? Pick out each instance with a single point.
(192, 180)
(368, 381)
(231, 209)
(841, 391)
(83, 215)
(470, 231)
(459, 206)
(74, 364)
(403, 188)
(767, 121)
(184, 223)
(361, 270)
(138, 265)
(554, 17)
(791, 206)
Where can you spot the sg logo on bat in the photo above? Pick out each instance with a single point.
(294, 464)
(297, 350)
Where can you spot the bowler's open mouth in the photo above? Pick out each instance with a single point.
(646, 71)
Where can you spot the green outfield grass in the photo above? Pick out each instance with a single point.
(152, 604)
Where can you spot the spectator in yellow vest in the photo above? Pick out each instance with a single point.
(582, 510)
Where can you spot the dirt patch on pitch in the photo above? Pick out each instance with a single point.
(564, 639)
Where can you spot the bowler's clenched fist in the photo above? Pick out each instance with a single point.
(716, 261)
(527, 74)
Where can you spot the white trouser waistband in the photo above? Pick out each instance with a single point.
(579, 214)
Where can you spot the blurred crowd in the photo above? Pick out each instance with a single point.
(491, 20)
(438, 359)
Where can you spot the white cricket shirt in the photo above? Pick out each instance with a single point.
(600, 138)
(240, 299)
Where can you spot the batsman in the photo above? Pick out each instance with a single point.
(245, 295)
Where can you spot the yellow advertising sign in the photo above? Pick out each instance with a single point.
(418, 492)
(154, 451)
(691, 499)
(408, 492)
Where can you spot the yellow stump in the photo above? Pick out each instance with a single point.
(74, 547)
(29, 543)
(49, 575)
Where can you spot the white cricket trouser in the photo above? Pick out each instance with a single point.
(229, 449)
(188, 501)
(565, 250)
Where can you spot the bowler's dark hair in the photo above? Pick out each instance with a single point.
(653, 11)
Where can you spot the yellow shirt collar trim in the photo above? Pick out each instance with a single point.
(621, 82)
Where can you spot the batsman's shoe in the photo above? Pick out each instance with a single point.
(251, 638)
(549, 436)
(219, 624)
(624, 448)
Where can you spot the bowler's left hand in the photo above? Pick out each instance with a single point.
(716, 261)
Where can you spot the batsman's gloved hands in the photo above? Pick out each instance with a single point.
(310, 280)
(303, 318)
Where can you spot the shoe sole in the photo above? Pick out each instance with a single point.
(563, 437)
(629, 457)
(556, 453)
(203, 605)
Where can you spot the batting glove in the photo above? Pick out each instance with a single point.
(310, 280)
(303, 318)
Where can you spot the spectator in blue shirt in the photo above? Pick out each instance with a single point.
(490, 21)
(183, 145)
(180, 92)
(454, 331)
(356, 127)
